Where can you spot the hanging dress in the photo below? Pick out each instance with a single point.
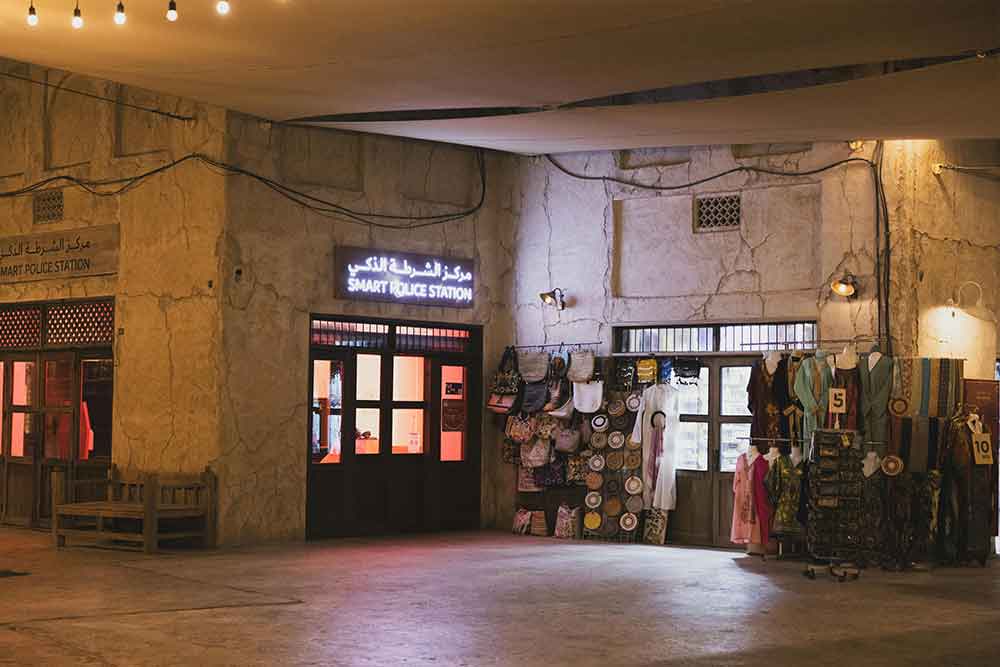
(658, 475)
(812, 388)
(762, 513)
(742, 501)
(767, 395)
(849, 379)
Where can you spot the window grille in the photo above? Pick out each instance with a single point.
(738, 338)
(365, 335)
(89, 324)
(423, 339)
(20, 327)
(47, 206)
(716, 212)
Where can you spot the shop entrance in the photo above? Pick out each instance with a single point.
(394, 433)
(55, 402)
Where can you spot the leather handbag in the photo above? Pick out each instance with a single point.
(503, 404)
(568, 439)
(533, 366)
(507, 381)
(536, 395)
(588, 396)
(581, 366)
(536, 453)
(565, 411)
(646, 370)
(559, 387)
(520, 428)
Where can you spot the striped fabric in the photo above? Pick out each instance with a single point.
(918, 441)
(926, 387)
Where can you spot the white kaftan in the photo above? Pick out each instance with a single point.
(658, 398)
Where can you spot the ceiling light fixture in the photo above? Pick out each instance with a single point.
(32, 14)
(222, 7)
(172, 11)
(77, 21)
(846, 286)
(120, 17)
(556, 298)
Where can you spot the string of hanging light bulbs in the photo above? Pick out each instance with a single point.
(221, 7)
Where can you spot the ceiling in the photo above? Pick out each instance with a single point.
(289, 59)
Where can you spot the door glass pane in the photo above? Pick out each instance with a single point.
(2, 376)
(328, 378)
(453, 413)
(58, 383)
(369, 377)
(731, 446)
(693, 398)
(23, 383)
(23, 435)
(692, 446)
(58, 435)
(408, 378)
(366, 438)
(96, 394)
(407, 431)
(734, 390)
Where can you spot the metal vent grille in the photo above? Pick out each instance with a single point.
(425, 339)
(717, 213)
(350, 334)
(47, 206)
(20, 328)
(80, 324)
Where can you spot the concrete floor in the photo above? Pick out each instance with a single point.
(479, 599)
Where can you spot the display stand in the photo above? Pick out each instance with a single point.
(835, 505)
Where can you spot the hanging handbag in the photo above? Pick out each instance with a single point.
(511, 452)
(588, 396)
(536, 453)
(539, 526)
(568, 522)
(502, 404)
(581, 366)
(520, 428)
(546, 426)
(526, 481)
(568, 439)
(536, 395)
(687, 369)
(626, 375)
(507, 381)
(522, 522)
(559, 387)
(646, 371)
(533, 366)
(565, 411)
(576, 469)
(551, 474)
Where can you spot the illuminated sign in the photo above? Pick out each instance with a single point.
(364, 274)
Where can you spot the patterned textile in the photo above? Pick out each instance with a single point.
(526, 480)
(784, 485)
(767, 399)
(552, 474)
(910, 518)
(926, 387)
(655, 529)
(794, 412)
(742, 510)
(871, 519)
(576, 469)
(853, 420)
(919, 441)
(966, 507)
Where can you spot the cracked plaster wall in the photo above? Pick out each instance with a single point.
(285, 255)
(166, 382)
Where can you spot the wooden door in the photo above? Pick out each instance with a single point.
(22, 439)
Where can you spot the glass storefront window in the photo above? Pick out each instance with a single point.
(734, 391)
(693, 398)
(58, 435)
(407, 431)
(58, 383)
(96, 401)
(328, 378)
(23, 435)
(366, 436)
(731, 445)
(369, 377)
(23, 382)
(408, 379)
(691, 446)
(454, 413)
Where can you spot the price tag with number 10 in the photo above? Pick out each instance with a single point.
(982, 448)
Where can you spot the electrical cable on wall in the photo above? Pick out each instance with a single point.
(882, 252)
(118, 186)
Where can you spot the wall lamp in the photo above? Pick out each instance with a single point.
(979, 310)
(556, 298)
(845, 286)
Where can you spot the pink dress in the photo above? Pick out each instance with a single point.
(742, 503)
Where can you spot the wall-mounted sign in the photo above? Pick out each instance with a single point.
(364, 274)
(75, 253)
(452, 415)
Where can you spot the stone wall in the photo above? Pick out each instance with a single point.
(283, 255)
(167, 290)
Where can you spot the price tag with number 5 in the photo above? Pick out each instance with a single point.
(838, 401)
(982, 447)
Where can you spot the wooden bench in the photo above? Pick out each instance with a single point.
(138, 512)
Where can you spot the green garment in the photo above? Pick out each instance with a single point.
(812, 387)
(875, 386)
(784, 484)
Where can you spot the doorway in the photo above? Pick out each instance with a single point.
(394, 432)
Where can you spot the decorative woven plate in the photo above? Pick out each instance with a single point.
(633, 460)
(596, 463)
(616, 440)
(612, 487)
(633, 401)
(613, 506)
(899, 406)
(616, 460)
(616, 408)
(599, 440)
(632, 444)
(592, 521)
(593, 500)
(634, 504)
(599, 423)
(892, 465)
(628, 522)
(633, 485)
(610, 527)
(594, 481)
(621, 423)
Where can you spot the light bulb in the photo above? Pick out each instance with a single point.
(120, 17)
(32, 15)
(172, 11)
(77, 21)
(222, 7)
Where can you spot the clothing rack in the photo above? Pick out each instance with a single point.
(771, 345)
(795, 440)
(551, 345)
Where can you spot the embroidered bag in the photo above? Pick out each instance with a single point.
(588, 396)
(568, 522)
(546, 426)
(526, 481)
(536, 395)
(502, 404)
(511, 451)
(507, 381)
(646, 371)
(536, 453)
(551, 474)
(520, 428)
(581, 366)
(533, 366)
(539, 526)
(576, 469)
(522, 521)
(568, 439)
